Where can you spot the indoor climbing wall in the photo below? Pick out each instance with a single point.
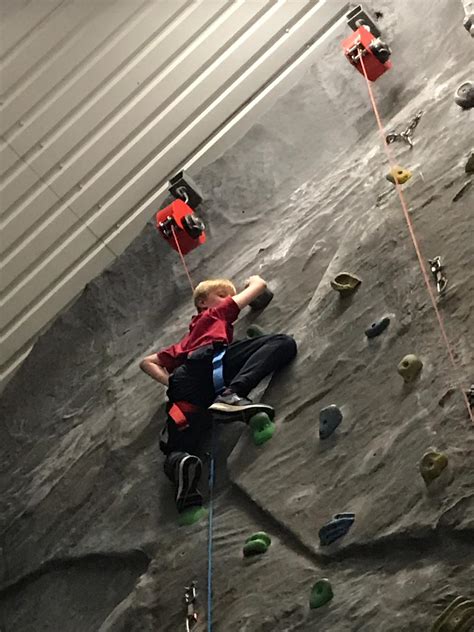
(358, 513)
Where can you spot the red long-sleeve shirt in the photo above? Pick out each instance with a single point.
(211, 325)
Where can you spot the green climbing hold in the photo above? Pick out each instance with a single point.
(260, 535)
(432, 464)
(321, 593)
(262, 428)
(254, 331)
(345, 283)
(410, 367)
(457, 617)
(191, 516)
(257, 544)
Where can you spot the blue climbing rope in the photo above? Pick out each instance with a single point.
(212, 473)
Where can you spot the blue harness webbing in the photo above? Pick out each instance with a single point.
(218, 371)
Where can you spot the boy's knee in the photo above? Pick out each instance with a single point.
(288, 344)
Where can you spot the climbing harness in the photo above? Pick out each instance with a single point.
(218, 371)
(413, 237)
(407, 134)
(437, 270)
(190, 595)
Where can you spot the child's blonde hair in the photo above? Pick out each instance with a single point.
(205, 288)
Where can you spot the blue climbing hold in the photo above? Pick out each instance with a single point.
(329, 419)
(336, 528)
(378, 327)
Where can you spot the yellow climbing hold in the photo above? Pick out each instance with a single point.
(345, 283)
(399, 175)
(432, 464)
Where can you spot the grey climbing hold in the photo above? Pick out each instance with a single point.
(464, 96)
(469, 168)
(262, 300)
(329, 419)
(377, 327)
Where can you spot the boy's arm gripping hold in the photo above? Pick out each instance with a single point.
(254, 286)
(151, 367)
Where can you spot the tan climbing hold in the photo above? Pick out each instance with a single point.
(409, 367)
(345, 283)
(398, 175)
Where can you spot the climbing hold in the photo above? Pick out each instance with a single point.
(409, 367)
(262, 428)
(329, 419)
(398, 175)
(260, 535)
(321, 594)
(191, 516)
(469, 168)
(432, 464)
(256, 544)
(377, 327)
(464, 95)
(336, 528)
(254, 331)
(457, 617)
(262, 300)
(345, 283)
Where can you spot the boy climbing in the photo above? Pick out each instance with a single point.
(208, 374)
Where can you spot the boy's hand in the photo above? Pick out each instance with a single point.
(254, 280)
(254, 286)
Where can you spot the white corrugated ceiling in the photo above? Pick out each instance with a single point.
(101, 102)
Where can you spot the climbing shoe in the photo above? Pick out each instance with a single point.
(187, 478)
(231, 405)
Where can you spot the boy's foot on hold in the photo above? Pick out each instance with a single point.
(229, 404)
(187, 478)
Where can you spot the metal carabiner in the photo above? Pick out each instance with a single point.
(437, 270)
(190, 595)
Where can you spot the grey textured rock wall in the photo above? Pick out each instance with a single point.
(89, 537)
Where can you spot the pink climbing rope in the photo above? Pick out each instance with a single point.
(414, 239)
(182, 259)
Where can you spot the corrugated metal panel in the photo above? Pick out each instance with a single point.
(101, 102)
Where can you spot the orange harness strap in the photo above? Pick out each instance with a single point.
(178, 411)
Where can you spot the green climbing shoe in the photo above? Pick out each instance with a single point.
(262, 428)
(254, 331)
(321, 594)
(191, 515)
